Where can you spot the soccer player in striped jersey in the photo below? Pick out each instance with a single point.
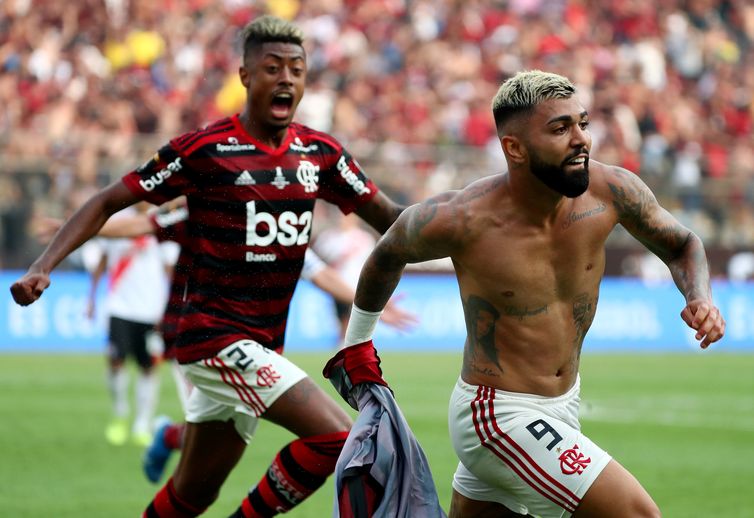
(251, 181)
(169, 224)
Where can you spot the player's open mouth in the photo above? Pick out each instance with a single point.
(281, 105)
(579, 160)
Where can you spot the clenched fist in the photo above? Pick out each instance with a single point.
(706, 320)
(29, 288)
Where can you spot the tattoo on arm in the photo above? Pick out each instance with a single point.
(636, 207)
(424, 214)
(481, 317)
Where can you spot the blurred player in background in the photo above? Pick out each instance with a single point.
(251, 181)
(137, 272)
(344, 246)
(528, 251)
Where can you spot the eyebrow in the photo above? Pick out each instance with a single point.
(275, 55)
(567, 118)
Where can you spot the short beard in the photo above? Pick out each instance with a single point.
(554, 176)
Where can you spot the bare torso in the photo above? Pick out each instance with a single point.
(529, 287)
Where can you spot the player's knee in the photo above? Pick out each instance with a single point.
(334, 419)
(197, 495)
(336, 423)
(646, 508)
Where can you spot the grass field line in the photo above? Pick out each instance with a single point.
(667, 415)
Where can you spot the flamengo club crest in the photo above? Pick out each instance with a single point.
(573, 461)
(307, 175)
(267, 376)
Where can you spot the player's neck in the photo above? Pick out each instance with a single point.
(540, 203)
(271, 136)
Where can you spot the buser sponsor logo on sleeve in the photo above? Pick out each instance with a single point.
(351, 178)
(156, 179)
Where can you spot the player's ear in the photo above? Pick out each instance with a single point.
(513, 148)
(243, 74)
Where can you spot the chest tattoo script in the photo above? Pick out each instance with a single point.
(481, 318)
(575, 217)
(526, 311)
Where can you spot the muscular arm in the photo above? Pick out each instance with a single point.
(84, 224)
(422, 232)
(677, 246)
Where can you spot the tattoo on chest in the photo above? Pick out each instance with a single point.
(481, 318)
(575, 217)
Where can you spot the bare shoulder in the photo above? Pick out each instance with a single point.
(624, 189)
(448, 214)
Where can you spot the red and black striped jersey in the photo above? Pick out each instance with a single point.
(250, 211)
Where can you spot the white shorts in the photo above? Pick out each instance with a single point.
(521, 450)
(240, 383)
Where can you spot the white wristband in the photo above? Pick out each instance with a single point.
(361, 326)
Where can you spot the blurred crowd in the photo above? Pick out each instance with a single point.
(91, 88)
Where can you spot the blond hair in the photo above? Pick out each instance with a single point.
(269, 29)
(525, 90)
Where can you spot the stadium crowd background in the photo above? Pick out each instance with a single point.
(90, 89)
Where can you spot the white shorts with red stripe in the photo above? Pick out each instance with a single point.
(240, 383)
(521, 450)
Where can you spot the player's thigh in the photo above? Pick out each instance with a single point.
(142, 333)
(118, 336)
(210, 452)
(305, 410)
(616, 493)
(463, 507)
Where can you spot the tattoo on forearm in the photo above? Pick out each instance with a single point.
(481, 317)
(521, 313)
(575, 217)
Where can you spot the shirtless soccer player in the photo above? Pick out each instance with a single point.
(528, 250)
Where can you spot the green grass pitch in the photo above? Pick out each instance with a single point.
(683, 424)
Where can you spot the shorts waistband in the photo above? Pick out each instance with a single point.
(523, 396)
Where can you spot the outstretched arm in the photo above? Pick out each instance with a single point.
(84, 223)
(677, 246)
(422, 232)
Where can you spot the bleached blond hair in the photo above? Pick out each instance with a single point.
(269, 29)
(527, 89)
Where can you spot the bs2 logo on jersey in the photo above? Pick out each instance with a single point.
(283, 229)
